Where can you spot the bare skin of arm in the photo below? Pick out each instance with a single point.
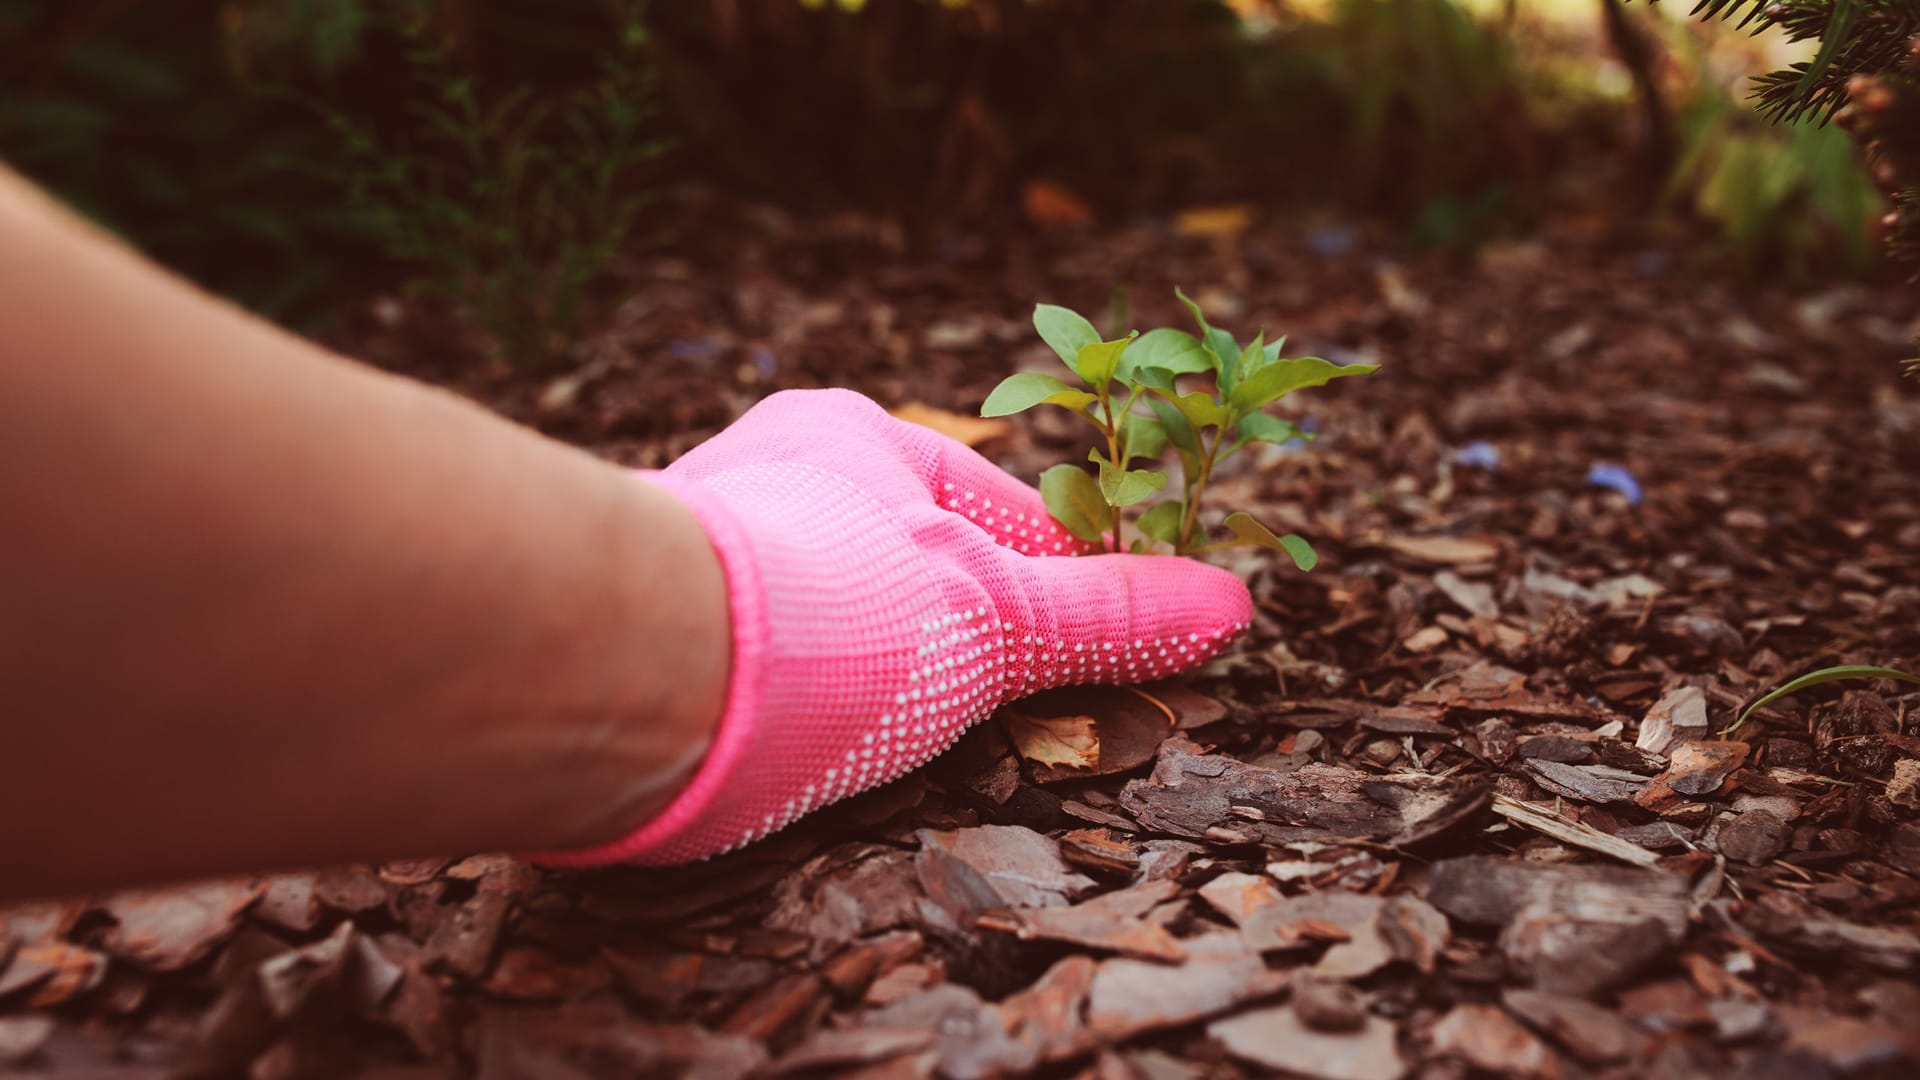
(263, 607)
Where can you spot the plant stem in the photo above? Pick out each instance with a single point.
(1192, 514)
(1113, 455)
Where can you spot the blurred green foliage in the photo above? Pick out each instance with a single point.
(131, 113)
(281, 151)
(1428, 92)
(913, 104)
(1781, 196)
(500, 154)
(1864, 75)
(510, 207)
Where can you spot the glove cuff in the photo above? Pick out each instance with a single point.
(665, 837)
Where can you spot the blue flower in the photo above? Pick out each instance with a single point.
(1615, 478)
(1479, 454)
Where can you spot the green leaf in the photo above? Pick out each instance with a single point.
(1154, 378)
(1162, 521)
(1283, 377)
(1248, 531)
(1815, 678)
(1064, 330)
(1252, 358)
(1141, 437)
(1174, 351)
(1097, 360)
(1201, 410)
(1074, 500)
(1260, 427)
(1267, 358)
(1124, 487)
(1218, 343)
(1179, 433)
(1023, 390)
(1838, 32)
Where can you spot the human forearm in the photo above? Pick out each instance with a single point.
(301, 611)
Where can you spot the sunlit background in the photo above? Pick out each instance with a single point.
(500, 156)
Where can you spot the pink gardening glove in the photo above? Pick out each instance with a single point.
(888, 589)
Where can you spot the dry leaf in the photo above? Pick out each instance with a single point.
(1052, 206)
(1443, 550)
(1065, 741)
(971, 430)
(1229, 220)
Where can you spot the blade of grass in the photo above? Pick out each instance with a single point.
(1815, 678)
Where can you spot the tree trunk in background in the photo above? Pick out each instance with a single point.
(1655, 135)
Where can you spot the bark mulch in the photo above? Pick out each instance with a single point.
(1462, 803)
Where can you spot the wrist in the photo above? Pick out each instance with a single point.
(697, 638)
(667, 663)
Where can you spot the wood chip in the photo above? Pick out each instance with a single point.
(464, 942)
(1111, 922)
(1191, 793)
(1588, 783)
(1049, 1015)
(1595, 1035)
(1276, 1038)
(1443, 550)
(1485, 1037)
(163, 930)
(1237, 895)
(1679, 715)
(1694, 769)
(22, 1036)
(1489, 891)
(971, 1040)
(1024, 867)
(1753, 838)
(1576, 833)
(1131, 996)
(1293, 921)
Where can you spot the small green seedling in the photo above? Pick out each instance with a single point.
(1204, 425)
(1815, 678)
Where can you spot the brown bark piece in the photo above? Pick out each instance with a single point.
(1111, 922)
(1132, 996)
(1485, 1037)
(1328, 1004)
(464, 941)
(1694, 769)
(789, 1003)
(831, 1049)
(1024, 867)
(1588, 783)
(52, 973)
(1488, 891)
(1277, 1039)
(289, 901)
(22, 1036)
(163, 930)
(1238, 896)
(1296, 920)
(1754, 837)
(1191, 793)
(971, 1037)
(1050, 1014)
(599, 1042)
(1595, 1035)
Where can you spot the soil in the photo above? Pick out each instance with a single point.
(1463, 801)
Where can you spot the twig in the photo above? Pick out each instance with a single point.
(1572, 832)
